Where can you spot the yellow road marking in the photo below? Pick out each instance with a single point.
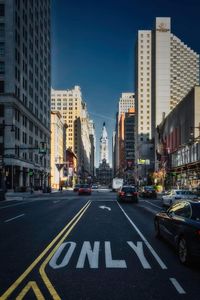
(37, 260)
(31, 285)
(46, 280)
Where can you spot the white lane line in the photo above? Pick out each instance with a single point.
(177, 286)
(153, 204)
(14, 218)
(153, 252)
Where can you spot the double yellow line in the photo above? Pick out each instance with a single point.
(59, 240)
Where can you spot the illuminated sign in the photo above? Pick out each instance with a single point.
(162, 27)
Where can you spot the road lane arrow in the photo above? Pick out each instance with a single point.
(105, 207)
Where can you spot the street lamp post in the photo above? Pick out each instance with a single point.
(59, 166)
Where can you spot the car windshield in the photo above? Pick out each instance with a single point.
(85, 186)
(128, 189)
(149, 188)
(188, 193)
(196, 212)
(181, 192)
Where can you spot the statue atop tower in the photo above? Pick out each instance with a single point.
(104, 145)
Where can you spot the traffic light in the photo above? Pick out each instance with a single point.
(43, 148)
(30, 173)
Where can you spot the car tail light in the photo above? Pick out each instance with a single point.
(80, 190)
(135, 193)
(198, 232)
(122, 193)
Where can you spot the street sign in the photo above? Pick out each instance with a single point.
(43, 148)
(59, 166)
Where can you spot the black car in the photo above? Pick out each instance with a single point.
(148, 192)
(128, 193)
(180, 225)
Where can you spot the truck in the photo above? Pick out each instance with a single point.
(117, 183)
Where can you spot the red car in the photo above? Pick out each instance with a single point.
(84, 189)
(77, 187)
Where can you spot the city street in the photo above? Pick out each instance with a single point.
(65, 246)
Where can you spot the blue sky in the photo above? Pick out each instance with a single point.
(93, 46)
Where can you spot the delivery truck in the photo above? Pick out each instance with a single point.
(117, 183)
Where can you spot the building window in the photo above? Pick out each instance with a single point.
(2, 67)
(17, 133)
(17, 115)
(2, 49)
(2, 30)
(2, 10)
(1, 110)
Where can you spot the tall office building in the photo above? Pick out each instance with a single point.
(126, 102)
(166, 70)
(58, 148)
(74, 113)
(83, 143)
(129, 146)
(176, 69)
(70, 104)
(25, 66)
(92, 135)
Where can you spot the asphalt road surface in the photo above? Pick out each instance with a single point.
(66, 246)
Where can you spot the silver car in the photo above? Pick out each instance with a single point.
(174, 195)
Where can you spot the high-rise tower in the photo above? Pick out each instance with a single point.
(25, 80)
(104, 145)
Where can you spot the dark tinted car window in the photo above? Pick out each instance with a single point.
(196, 212)
(179, 192)
(149, 188)
(85, 186)
(183, 210)
(128, 189)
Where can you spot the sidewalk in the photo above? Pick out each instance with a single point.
(25, 195)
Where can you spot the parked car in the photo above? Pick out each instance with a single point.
(148, 192)
(95, 186)
(76, 187)
(84, 189)
(175, 195)
(180, 225)
(128, 193)
(196, 191)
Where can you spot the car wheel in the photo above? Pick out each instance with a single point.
(183, 251)
(157, 228)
